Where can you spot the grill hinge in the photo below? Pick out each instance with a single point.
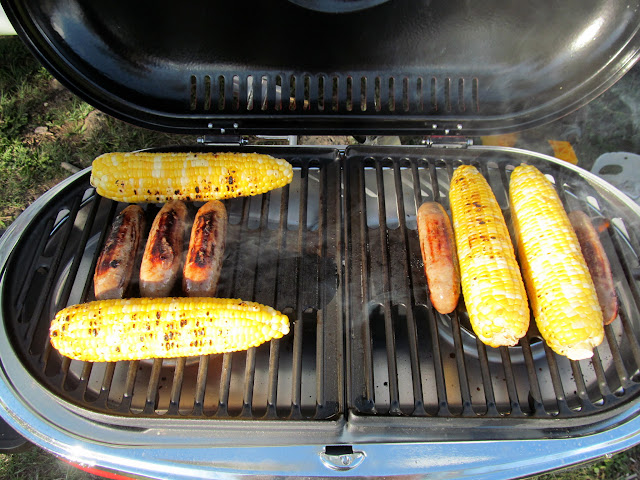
(446, 141)
(222, 140)
(230, 139)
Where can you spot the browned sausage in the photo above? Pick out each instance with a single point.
(598, 264)
(163, 253)
(439, 256)
(118, 256)
(206, 251)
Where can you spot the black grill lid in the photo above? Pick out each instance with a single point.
(330, 66)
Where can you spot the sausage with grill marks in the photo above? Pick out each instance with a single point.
(439, 256)
(206, 251)
(118, 257)
(597, 262)
(163, 253)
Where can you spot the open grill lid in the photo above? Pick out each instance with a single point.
(331, 66)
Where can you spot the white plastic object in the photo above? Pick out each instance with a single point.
(5, 25)
(622, 170)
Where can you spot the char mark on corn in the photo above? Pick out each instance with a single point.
(159, 177)
(140, 328)
(492, 285)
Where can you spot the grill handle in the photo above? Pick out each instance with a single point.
(341, 457)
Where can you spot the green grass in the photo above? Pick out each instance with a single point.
(622, 466)
(42, 125)
(38, 464)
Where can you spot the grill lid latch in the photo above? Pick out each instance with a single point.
(341, 457)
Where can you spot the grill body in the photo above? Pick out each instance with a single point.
(371, 381)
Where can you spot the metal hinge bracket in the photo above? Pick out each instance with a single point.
(446, 141)
(222, 140)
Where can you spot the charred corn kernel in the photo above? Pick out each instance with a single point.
(139, 328)
(563, 298)
(492, 285)
(159, 177)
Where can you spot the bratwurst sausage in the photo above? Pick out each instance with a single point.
(439, 256)
(206, 251)
(598, 264)
(115, 264)
(163, 253)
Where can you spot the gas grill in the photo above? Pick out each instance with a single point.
(371, 381)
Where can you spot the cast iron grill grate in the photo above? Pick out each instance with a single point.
(283, 249)
(418, 362)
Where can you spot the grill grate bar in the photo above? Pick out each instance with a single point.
(296, 384)
(250, 365)
(38, 329)
(225, 385)
(605, 391)
(86, 231)
(243, 287)
(152, 389)
(249, 375)
(83, 381)
(443, 405)
(176, 386)
(68, 284)
(633, 289)
(461, 366)
(563, 406)
(617, 356)
(583, 395)
(107, 379)
(435, 187)
(28, 278)
(394, 399)
(77, 258)
(535, 395)
(272, 389)
(201, 382)
(132, 371)
(628, 330)
(418, 403)
(369, 399)
(274, 348)
(489, 395)
(516, 410)
(323, 274)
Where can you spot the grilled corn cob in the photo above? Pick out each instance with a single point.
(492, 285)
(139, 328)
(563, 297)
(159, 177)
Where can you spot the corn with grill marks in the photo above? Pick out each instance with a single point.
(141, 328)
(160, 177)
(563, 297)
(492, 285)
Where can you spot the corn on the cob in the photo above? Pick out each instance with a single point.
(563, 297)
(139, 328)
(159, 177)
(492, 285)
